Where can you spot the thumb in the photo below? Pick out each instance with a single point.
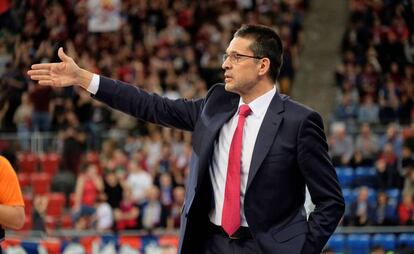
(63, 56)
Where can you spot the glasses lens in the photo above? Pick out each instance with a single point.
(225, 55)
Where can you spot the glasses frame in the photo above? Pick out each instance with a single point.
(236, 57)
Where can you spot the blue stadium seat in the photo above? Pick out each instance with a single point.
(387, 241)
(366, 176)
(336, 243)
(393, 196)
(358, 243)
(345, 177)
(406, 240)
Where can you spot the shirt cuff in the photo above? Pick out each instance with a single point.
(94, 85)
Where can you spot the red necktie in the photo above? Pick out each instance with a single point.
(230, 220)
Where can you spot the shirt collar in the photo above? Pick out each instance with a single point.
(261, 103)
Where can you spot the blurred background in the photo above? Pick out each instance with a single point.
(98, 181)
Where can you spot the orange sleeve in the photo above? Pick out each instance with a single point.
(10, 193)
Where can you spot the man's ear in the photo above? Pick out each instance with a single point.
(264, 66)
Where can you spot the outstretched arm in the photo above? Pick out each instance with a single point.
(65, 73)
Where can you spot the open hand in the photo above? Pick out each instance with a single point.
(65, 73)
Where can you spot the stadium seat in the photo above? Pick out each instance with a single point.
(40, 183)
(358, 243)
(393, 197)
(148, 240)
(66, 222)
(345, 177)
(27, 163)
(51, 245)
(365, 176)
(24, 180)
(132, 241)
(56, 204)
(50, 163)
(28, 204)
(168, 240)
(385, 240)
(406, 240)
(336, 243)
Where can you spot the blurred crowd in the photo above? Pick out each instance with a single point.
(371, 126)
(170, 47)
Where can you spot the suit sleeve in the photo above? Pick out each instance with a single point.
(321, 179)
(180, 113)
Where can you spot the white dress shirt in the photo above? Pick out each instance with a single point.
(218, 167)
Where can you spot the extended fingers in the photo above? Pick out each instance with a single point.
(44, 66)
(40, 77)
(38, 72)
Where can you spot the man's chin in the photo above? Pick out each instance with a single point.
(228, 87)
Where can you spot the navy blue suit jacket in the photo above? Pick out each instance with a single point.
(290, 152)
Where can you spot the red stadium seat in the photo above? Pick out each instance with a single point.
(24, 180)
(28, 205)
(27, 163)
(51, 245)
(40, 183)
(66, 222)
(168, 240)
(56, 204)
(50, 163)
(133, 241)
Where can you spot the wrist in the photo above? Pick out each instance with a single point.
(85, 78)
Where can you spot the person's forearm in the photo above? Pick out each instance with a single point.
(12, 216)
(84, 78)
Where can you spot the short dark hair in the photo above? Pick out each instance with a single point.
(266, 43)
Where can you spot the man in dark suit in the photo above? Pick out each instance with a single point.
(254, 150)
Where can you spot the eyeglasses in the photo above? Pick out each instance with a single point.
(236, 57)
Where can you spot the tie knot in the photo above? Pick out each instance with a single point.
(244, 110)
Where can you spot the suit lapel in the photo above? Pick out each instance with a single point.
(266, 135)
(214, 122)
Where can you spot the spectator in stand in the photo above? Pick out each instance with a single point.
(346, 111)
(22, 119)
(165, 185)
(153, 213)
(392, 136)
(409, 183)
(103, 217)
(139, 181)
(341, 145)
(368, 111)
(40, 97)
(39, 212)
(113, 188)
(406, 210)
(89, 185)
(387, 168)
(362, 212)
(173, 220)
(126, 216)
(385, 213)
(366, 147)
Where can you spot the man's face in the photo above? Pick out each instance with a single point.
(240, 72)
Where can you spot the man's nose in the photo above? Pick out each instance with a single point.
(226, 64)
